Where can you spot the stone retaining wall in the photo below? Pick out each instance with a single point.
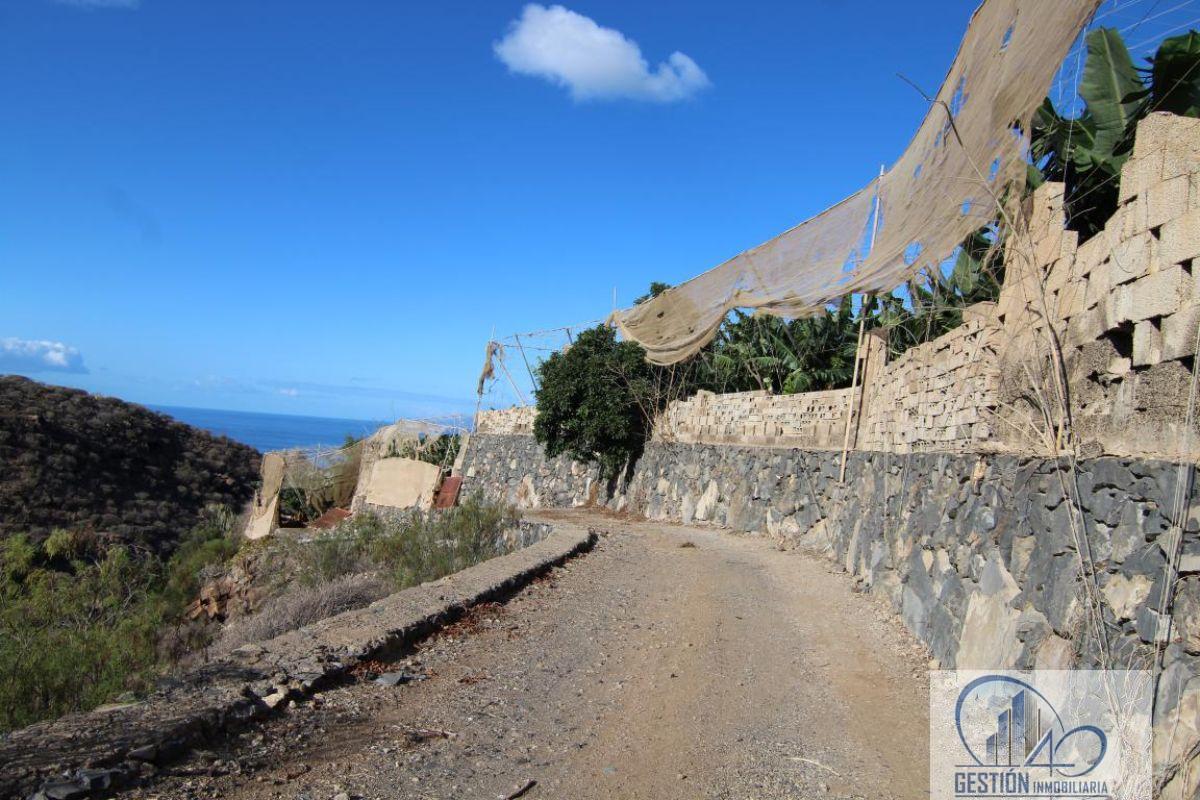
(974, 552)
(512, 468)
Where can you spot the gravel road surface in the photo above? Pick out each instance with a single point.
(669, 662)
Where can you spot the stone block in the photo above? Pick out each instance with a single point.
(1160, 294)
(1179, 161)
(1147, 344)
(1132, 258)
(1179, 332)
(1139, 173)
(1090, 255)
(1048, 246)
(1086, 326)
(1180, 239)
(1167, 200)
(1130, 219)
(1046, 207)
(1058, 274)
(1118, 307)
(1072, 299)
(1101, 279)
(1162, 131)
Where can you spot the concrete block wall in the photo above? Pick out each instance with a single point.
(940, 396)
(1123, 305)
(1123, 308)
(813, 419)
(505, 421)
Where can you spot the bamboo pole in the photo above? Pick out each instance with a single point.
(862, 323)
(529, 369)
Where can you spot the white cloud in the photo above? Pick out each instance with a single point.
(590, 61)
(288, 391)
(23, 355)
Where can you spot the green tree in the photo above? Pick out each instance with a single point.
(593, 401)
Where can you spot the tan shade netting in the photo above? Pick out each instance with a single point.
(937, 193)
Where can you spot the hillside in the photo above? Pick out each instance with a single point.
(69, 459)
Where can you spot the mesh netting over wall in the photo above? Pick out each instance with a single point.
(942, 188)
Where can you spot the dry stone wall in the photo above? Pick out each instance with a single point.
(1122, 309)
(938, 396)
(1124, 304)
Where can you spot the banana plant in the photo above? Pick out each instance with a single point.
(1087, 152)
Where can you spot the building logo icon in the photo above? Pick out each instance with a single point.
(1062, 734)
(1028, 731)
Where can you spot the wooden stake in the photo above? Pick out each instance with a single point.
(862, 323)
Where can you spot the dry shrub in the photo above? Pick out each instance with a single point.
(302, 606)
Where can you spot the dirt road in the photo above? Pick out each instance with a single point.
(669, 662)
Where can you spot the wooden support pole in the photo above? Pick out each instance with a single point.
(508, 375)
(852, 404)
(862, 323)
(529, 369)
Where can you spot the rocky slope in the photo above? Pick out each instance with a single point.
(69, 459)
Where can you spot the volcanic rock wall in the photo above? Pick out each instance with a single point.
(513, 468)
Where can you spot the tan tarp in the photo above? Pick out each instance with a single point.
(937, 193)
(403, 483)
(264, 517)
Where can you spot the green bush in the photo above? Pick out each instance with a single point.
(369, 556)
(73, 640)
(80, 627)
(210, 543)
(429, 546)
(410, 548)
(1087, 152)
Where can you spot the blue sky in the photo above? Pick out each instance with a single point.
(324, 208)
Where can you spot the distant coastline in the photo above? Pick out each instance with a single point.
(266, 432)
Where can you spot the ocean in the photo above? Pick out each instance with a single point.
(272, 431)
